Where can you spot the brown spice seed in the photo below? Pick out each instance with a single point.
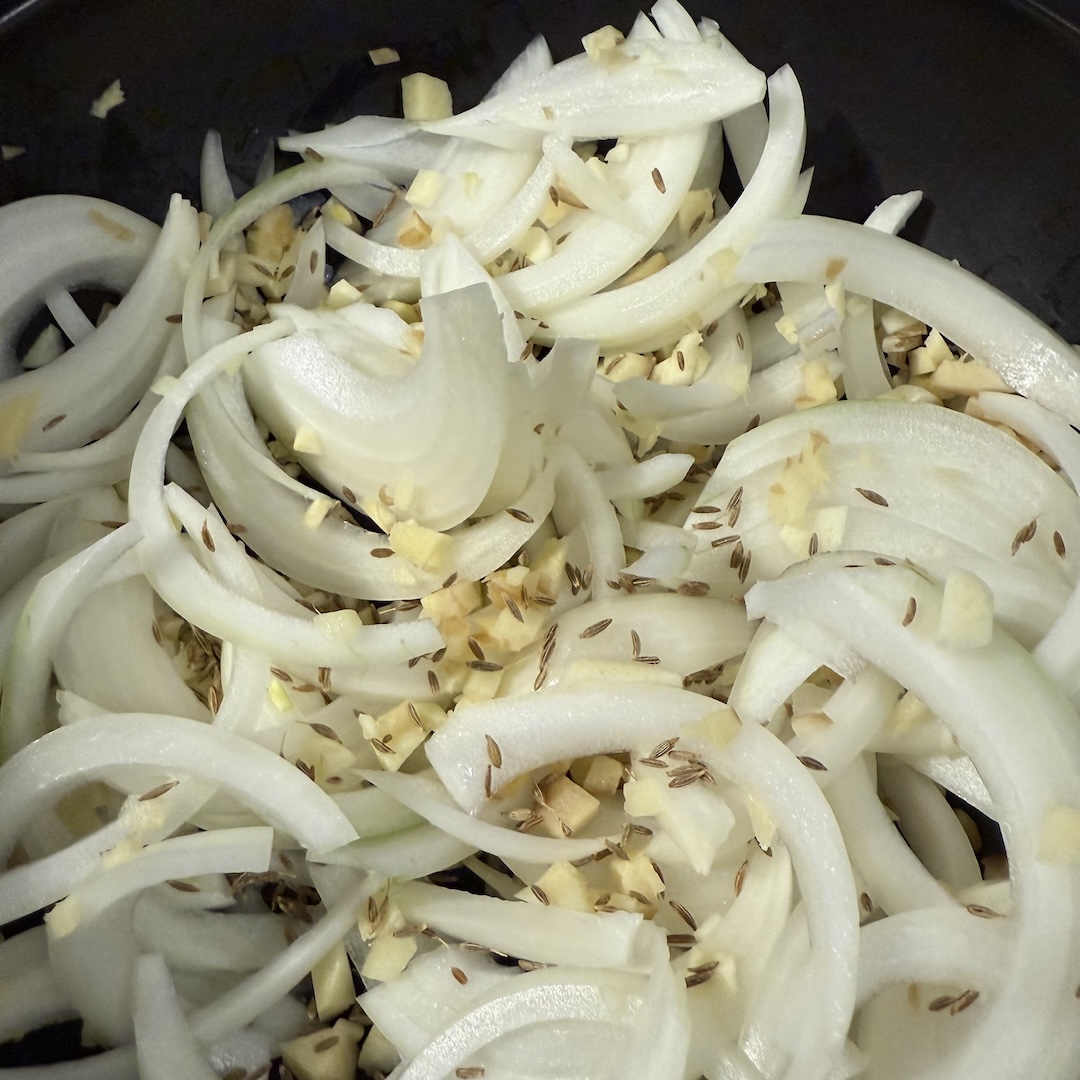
(617, 850)
(493, 752)
(812, 763)
(381, 745)
(866, 903)
(182, 886)
(540, 894)
(683, 914)
(652, 763)
(475, 649)
(414, 715)
(909, 614)
(281, 674)
(943, 1002)
(740, 876)
(872, 496)
(596, 628)
(812, 547)
(658, 180)
(348, 494)
(484, 665)
(207, 539)
(325, 731)
(697, 978)
(968, 997)
(1024, 535)
(459, 975)
(157, 792)
(53, 422)
(520, 515)
(723, 541)
(469, 1072)
(433, 682)
(681, 941)
(983, 912)
(513, 609)
(325, 1044)
(381, 552)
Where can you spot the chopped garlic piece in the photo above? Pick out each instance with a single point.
(279, 696)
(317, 511)
(331, 979)
(382, 56)
(643, 269)
(599, 775)
(326, 1054)
(108, 100)
(627, 365)
(607, 37)
(423, 97)
(567, 808)
(818, 385)
(428, 549)
(16, 416)
(967, 612)
(9, 152)
(695, 210)
(954, 377)
(637, 874)
(564, 886)
(425, 188)
(342, 294)
(536, 244)
(307, 441)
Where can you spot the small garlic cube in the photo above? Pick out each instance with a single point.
(563, 885)
(426, 548)
(967, 612)
(637, 874)
(567, 807)
(423, 97)
(599, 775)
(331, 979)
(607, 37)
(327, 1054)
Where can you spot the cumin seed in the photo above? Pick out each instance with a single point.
(658, 181)
(740, 876)
(520, 515)
(872, 496)
(207, 539)
(1024, 535)
(540, 894)
(909, 614)
(157, 792)
(812, 763)
(596, 628)
(493, 752)
(381, 552)
(459, 975)
(433, 682)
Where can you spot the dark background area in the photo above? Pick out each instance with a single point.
(976, 102)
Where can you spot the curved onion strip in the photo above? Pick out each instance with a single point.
(63, 241)
(410, 853)
(191, 591)
(67, 757)
(1027, 354)
(33, 886)
(52, 605)
(978, 693)
(94, 385)
(931, 945)
(32, 995)
(547, 935)
(252, 997)
(644, 314)
(164, 1042)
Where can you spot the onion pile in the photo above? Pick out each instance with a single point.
(537, 614)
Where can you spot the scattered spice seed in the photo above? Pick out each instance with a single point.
(157, 792)
(540, 894)
(658, 180)
(968, 997)
(449, 581)
(348, 494)
(866, 903)
(663, 748)
(324, 679)
(652, 763)
(697, 978)
(705, 526)
(596, 628)
(740, 876)
(519, 515)
(812, 547)
(414, 715)
(706, 510)
(737, 553)
(433, 682)
(174, 319)
(207, 539)
(701, 969)
(1024, 535)
(1059, 544)
(381, 745)
(940, 1003)
(381, 552)
(459, 975)
(683, 914)
(513, 609)
(493, 752)
(812, 763)
(744, 567)
(53, 422)
(735, 500)
(723, 541)
(754, 421)
(182, 886)
(983, 912)
(872, 496)
(281, 674)
(469, 1072)
(484, 665)
(681, 941)
(156, 631)
(635, 643)
(909, 614)
(617, 850)
(325, 1044)
(475, 649)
